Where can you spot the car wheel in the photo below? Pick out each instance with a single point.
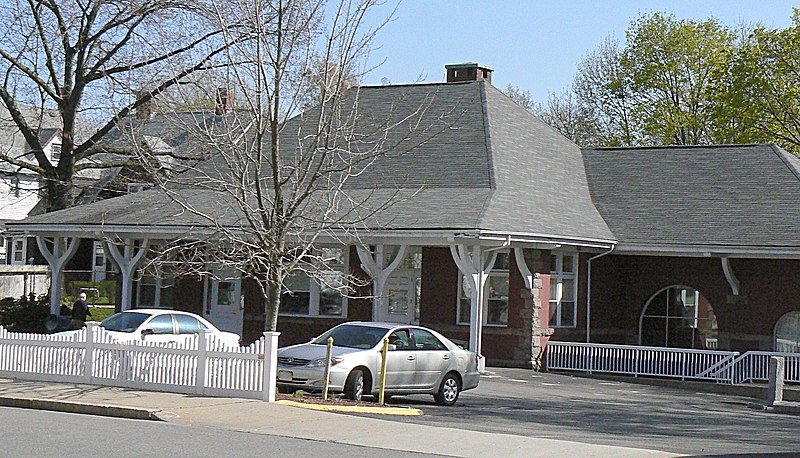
(285, 389)
(448, 390)
(354, 387)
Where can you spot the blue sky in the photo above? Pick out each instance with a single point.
(535, 45)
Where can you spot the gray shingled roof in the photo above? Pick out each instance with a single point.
(738, 195)
(461, 155)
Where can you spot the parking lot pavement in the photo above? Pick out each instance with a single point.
(526, 403)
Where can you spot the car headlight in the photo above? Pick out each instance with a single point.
(321, 362)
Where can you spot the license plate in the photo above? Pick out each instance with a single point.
(285, 376)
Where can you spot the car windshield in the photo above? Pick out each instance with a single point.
(124, 321)
(352, 336)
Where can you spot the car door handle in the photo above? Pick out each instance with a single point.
(411, 357)
(446, 357)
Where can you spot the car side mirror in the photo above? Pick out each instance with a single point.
(147, 332)
(312, 339)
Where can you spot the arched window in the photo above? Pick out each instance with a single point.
(678, 316)
(787, 333)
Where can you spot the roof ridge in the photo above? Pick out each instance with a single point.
(489, 150)
(714, 146)
(783, 155)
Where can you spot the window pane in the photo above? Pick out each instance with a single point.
(330, 301)
(568, 289)
(226, 292)
(553, 313)
(554, 263)
(297, 282)
(501, 263)
(497, 312)
(187, 324)
(401, 338)
(463, 311)
(296, 302)
(567, 313)
(424, 340)
(553, 289)
(161, 324)
(567, 265)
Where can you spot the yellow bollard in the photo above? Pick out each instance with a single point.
(384, 350)
(327, 368)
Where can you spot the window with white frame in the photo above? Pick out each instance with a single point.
(563, 290)
(19, 247)
(55, 153)
(2, 251)
(495, 302)
(304, 295)
(99, 262)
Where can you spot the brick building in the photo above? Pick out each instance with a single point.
(668, 246)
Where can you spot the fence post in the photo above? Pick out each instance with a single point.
(88, 353)
(270, 366)
(200, 376)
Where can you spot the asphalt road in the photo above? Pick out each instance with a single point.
(522, 402)
(40, 433)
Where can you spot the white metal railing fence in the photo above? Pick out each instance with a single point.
(753, 366)
(680, 363)
(683, 363)
(197, 365)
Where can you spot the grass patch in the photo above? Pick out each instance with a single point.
(100, 313)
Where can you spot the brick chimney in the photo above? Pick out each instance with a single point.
(468, 71)
(224, 102)
(146, 109)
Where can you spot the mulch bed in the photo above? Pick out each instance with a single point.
(332, 400)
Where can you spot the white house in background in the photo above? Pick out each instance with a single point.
(20, 189)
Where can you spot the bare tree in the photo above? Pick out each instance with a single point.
(58, 54)
(277, 179)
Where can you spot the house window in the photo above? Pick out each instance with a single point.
(2, 251)
(495, 302)
(55, 153)
(304, 295)
(98, 262)
(563, 290)
(19, 246)
(154, 292)
(678, 316)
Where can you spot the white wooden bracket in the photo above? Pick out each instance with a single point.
(127, 260)
(63, 250)
(475, 263)
(373, 265)
(730, 276)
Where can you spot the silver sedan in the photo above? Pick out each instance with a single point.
(419, 361)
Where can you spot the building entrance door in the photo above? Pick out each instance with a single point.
(402, 301)
(223, 304)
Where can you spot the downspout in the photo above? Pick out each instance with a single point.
(589, 289)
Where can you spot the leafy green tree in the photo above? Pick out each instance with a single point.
(671, 64)
(761, 87)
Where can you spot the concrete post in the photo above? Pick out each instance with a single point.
(777, 365)
(270, 372)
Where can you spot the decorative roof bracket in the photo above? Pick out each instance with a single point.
(729, 275)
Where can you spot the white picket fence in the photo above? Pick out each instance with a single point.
(682, 363)
(198, 365)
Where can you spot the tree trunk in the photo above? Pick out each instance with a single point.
(273, 299)
(58, 194)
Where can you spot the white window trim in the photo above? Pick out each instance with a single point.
(2, 251)
(211, 288)
(98, 270)
(14, 251)
(558, 276)
(494, 273)
(314, 292)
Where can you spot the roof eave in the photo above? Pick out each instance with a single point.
(708, 250)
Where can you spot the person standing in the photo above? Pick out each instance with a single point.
(80, 309)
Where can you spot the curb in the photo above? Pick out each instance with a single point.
(81, 408)
(396, 411)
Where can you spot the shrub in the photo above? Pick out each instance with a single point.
(26, 314)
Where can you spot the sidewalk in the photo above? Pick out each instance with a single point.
(280, 420)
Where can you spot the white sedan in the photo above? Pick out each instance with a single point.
(419, 361)
(161, 326)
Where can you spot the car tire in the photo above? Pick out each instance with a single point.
(448, 390)
(285, 389)
(355, 386)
